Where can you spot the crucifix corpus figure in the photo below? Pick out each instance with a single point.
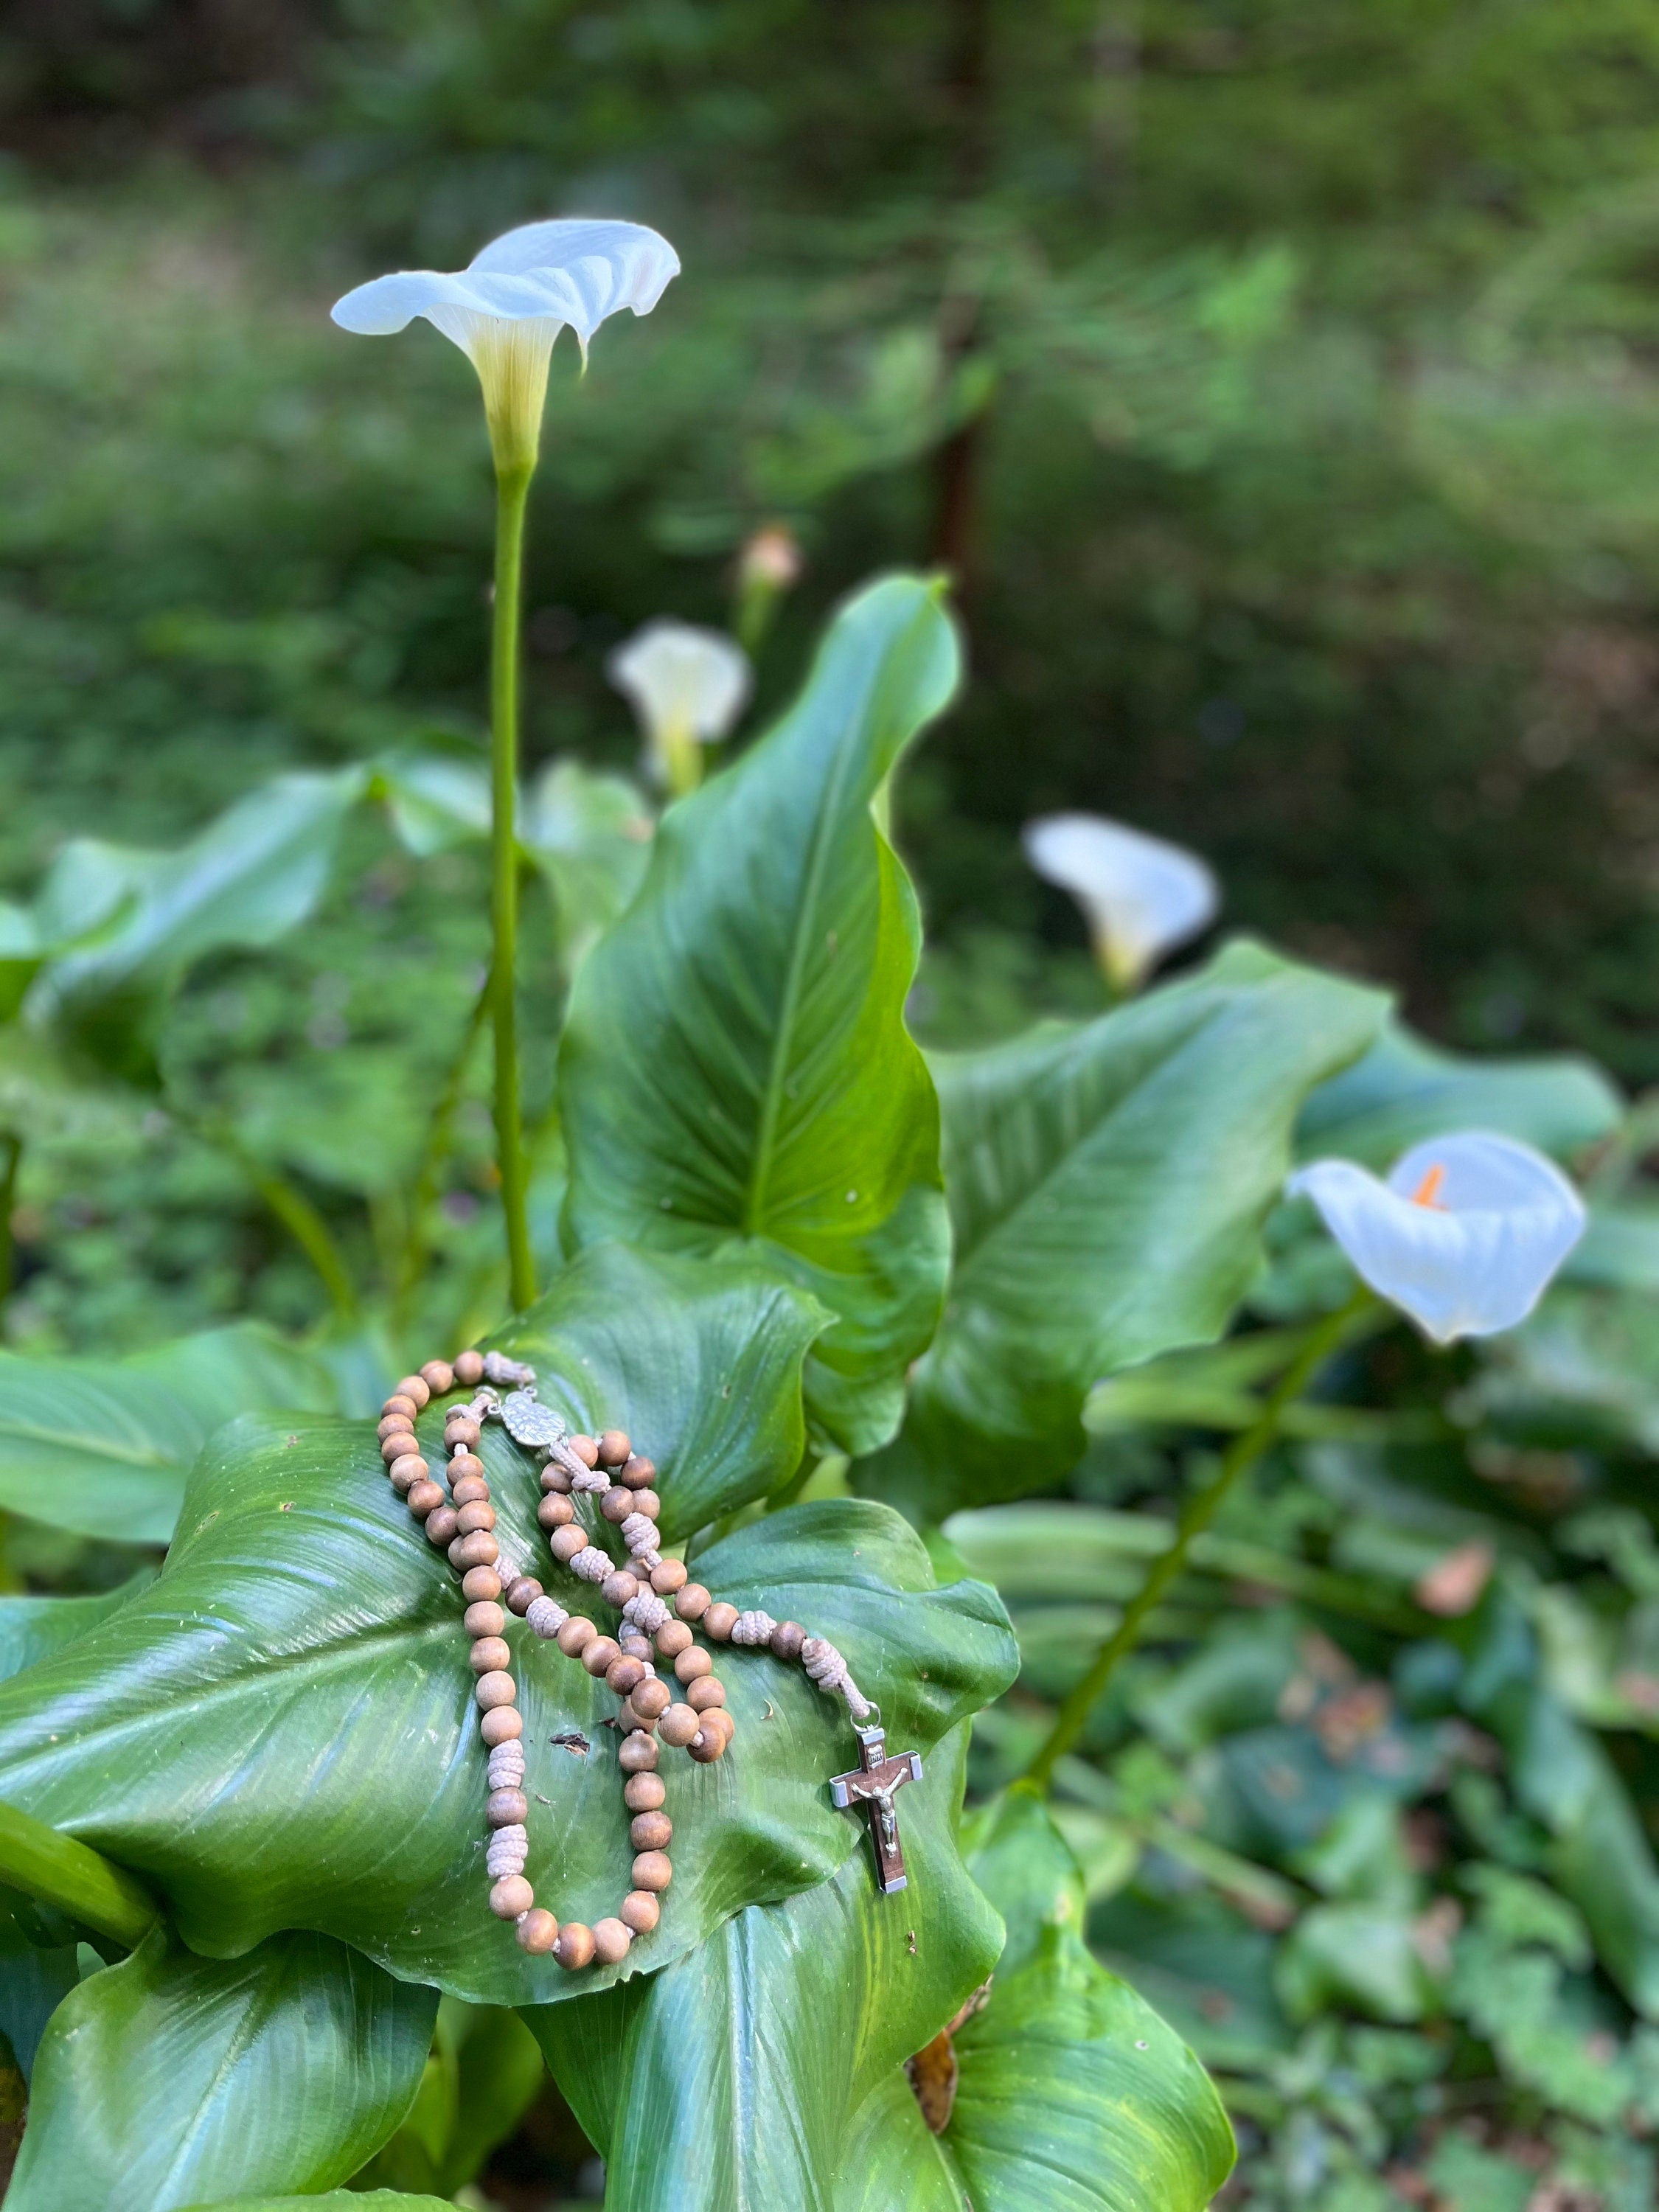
(872, 1783)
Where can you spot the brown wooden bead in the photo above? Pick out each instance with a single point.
(629, 1717)
(574, 1948)
(617, 1503)
(622, 1673)
(461, 1429)
(481, 1582)
(465, 1464)
(639, 1473)
(439, 1377)
(395, 1443)
(673, 1637)
(484, 1618)
(406, 1470)
(469, 1368)
(640, 1910)
(618, 1589)
(651, 1871)
(413, 1387)
(646, 1502)
(601, 1654)
(399, 1404)
(667, 1577)
(651, 1832)
(497, 1688)
(644, 1793)
(505, 1809)
(522, 1592)
(556, 1478)
(477, 1513)
(615, 1450)
(471, 1490)
(489, 1654)
(692, 1601)
(480, 1549)
(690, 1665)
(442, 1528)
(787, 1640)
(718, 1719)
(555, 1512)
(585, 1448)
(393, 1424)
(576, 1634)
(424, 1497)
(637, 1753)
(567, 1542)
(610, 1941)
(511, 1896)
(679, 1725)
(707, 1746)
(651, 1698)
(719, 1620)
(501, 1724)
(702, 1697)
(537, 1932)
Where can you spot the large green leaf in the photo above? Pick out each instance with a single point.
(101, 1447)
(484, 2071)
(729, 2081)
(33, 1628)
(280, 1731)
(34, 1979)
(336, 2200)
(171, 2080)
(1108, 1186)
(736, 1069)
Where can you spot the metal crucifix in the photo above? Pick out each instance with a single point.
(872, 1785)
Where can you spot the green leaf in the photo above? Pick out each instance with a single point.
(33, 1628)
(484, 2071)
(335, 2200)
(736, 1070)
(590, 836)
(1404, 1089)
(171, 2080)
(101, 1447)
(280, 1731)
(34, 1979)
(435, 800)
(1107, 1187)
(731, 2079)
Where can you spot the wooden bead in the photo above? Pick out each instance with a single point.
(637, 1753)
(575, 1635)
(651, 1871)
(475, 1513)
(414, 1388)
(692, 1601)
(651, 1698)
(651, 1832)
(461, 1429)
(617, 1503)
(640, 1910)
(505, 1809)
(618, 1589)
(424, 1497)
(471, 1490)
(719, 1620)
(439, 1377)
(395, 1424)
(495, 1689)
(442, 1528)
(628, 1715)
(465, 1464)
(556, 1478)
(615, 1450)
(622, 1673)
(501, 1724)
(537, 1932)
(489, 1654)
(395, 1443)
(673, 1637)
(692, 1664)
(647, 1502)
(469, 1368)
(601, 1654)
(610, 1941)
(668, 1576)
(480, 1549)
(406, 1470)
(511, 1896)
(481, 1582)
(567, 1542)
(484, 1620)
(522, 1592)
(644, 1793)
(585, 1448)
(555, 1512)
(639, 1473)
(704, 1696)
(787, 1640)
(707, 1746)
(399, 1404)
(679, 1725)
(575, 1946)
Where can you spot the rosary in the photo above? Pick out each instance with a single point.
(657, 1602)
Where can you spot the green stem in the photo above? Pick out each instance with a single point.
(11, 1155)
(301, 1220)
(511, 489)
(79, 1881)
(1196, 1516)
(439, 1135)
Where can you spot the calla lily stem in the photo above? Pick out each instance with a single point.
(59, 1870)
(513, 490)
(1199, 1510)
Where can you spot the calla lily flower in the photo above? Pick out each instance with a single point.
(507, 307)
(1465, 1234)
(688, 686)
(1143, 896)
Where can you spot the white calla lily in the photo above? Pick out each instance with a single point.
(1465, 1234)
(507, 307)
(1142, 896)
(688, 686)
